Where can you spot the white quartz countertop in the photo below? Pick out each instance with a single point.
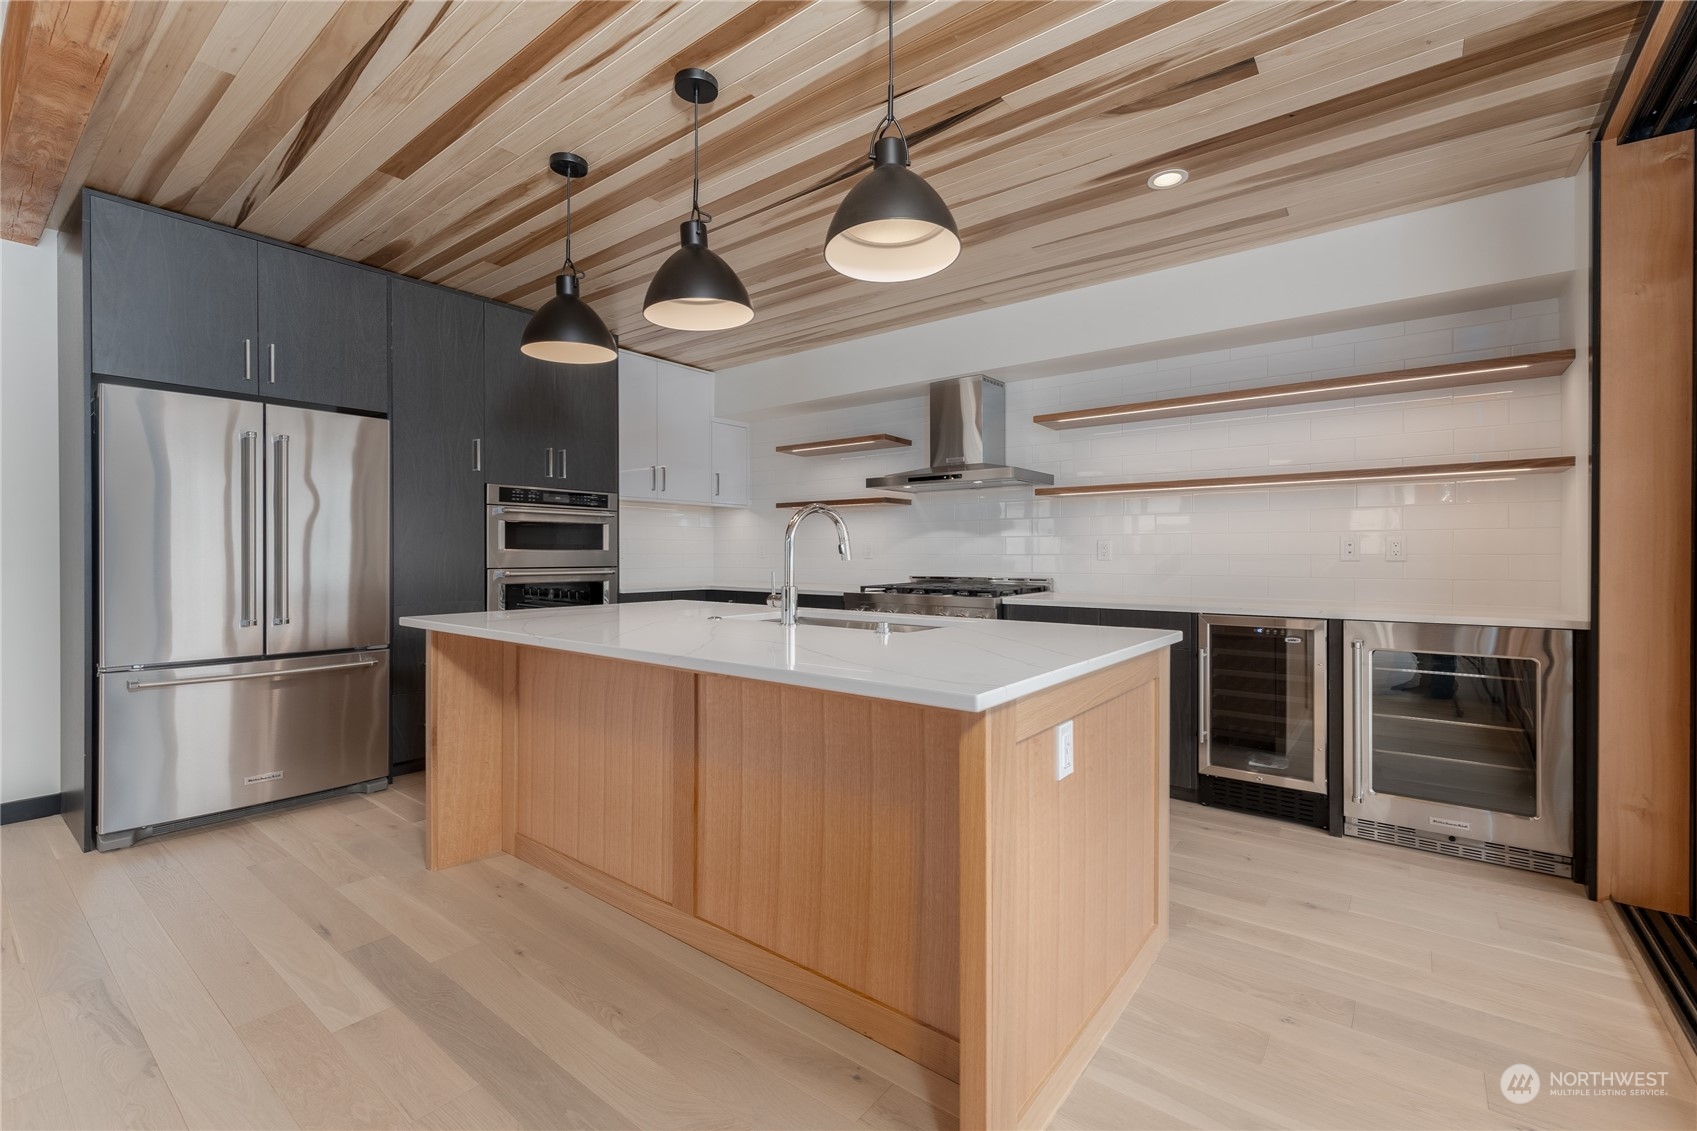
(958, 665)
(1316, 610)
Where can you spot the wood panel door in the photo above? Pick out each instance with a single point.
(826, 832)
(324, 330)
(172, 301)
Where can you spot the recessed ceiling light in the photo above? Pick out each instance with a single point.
(1169, 178)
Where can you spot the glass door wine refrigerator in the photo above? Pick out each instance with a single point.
(1264, 701)
(1459, 740)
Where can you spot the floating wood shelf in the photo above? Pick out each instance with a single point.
(854, 444)
(864, 501)
(1521, 368)
(1487, 469)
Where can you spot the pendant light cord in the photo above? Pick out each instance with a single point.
(570, 267)
(695, 211)
(889, 90)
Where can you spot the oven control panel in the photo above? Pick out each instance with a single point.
(540, 496)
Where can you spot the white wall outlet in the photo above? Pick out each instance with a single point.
(1349, 548)
(1063, 750)
(1396, 548)
(1104, 550)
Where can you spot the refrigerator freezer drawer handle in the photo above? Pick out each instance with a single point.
(139, 685)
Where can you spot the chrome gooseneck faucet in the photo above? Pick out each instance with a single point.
(787, 595)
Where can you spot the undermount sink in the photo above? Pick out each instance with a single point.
(878, 626)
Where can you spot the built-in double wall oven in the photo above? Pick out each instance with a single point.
(551, 549)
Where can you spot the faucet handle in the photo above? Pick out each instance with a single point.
(774, 599)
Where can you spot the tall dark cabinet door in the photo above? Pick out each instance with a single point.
(322, 325)
(172, 300)
(524, 403)
(437, 415)
(437, 429)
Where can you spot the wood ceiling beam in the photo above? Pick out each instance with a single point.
(54, 55)
(1652, 40)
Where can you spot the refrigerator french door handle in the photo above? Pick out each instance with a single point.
(250, 527)
(1359, 650)
(139, 685)
(280, 529)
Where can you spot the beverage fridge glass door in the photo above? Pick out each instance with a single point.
(327, 531)
(1460, 731)
(180, 527)
(1264, 701)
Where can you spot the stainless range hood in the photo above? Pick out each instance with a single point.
(969, 441)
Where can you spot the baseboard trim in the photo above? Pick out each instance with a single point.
(29, 808)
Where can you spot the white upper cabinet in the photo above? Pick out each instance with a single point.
(665, 430)
(730, 463)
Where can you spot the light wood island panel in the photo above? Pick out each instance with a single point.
(914, 873)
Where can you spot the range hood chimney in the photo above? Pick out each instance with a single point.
(969, 442)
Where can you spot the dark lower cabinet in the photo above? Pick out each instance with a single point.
(171, 300)
(1183, 707)
(323, 330)
(406, 684)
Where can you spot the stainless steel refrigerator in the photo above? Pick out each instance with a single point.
(242, 605)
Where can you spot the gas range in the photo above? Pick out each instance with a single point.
(975, 597)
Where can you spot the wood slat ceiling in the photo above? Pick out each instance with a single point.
(414, 135)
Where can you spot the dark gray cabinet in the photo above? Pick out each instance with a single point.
(323, 330)
(436, 359)
(1184, 714)
(171, 300)
(546, 425)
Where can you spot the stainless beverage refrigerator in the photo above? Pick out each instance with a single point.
(242, 604)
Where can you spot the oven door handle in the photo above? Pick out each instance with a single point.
(546, 514)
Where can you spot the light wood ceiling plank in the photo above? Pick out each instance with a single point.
(55, 55)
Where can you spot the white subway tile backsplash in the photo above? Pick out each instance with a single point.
(1503, 542)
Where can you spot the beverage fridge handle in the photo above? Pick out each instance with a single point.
(280, 529)
(1359, 650)
(1202, 699)
(250, 526)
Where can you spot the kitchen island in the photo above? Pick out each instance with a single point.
(948, 835)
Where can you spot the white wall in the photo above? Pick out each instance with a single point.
(1471, 546)
(1491, 245)
(29, 521)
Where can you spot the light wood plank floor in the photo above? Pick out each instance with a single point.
(303, 969)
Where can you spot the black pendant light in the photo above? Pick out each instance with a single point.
(695, 289)
(892, 226)
(565, 329)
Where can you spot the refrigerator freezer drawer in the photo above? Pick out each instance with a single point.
(186, 742)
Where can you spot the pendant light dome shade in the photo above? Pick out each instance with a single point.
(695, 289)
(891, 226)
(565, 330)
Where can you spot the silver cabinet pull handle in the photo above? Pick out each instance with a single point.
(477, 454)
(715, 484)
(662, 479)
(653, 477)
(550, 474)
(1358, 648)
(562, 474)
(280, 530)
(273, 363)
(250, 527)
(247, 359)
(139, 685)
